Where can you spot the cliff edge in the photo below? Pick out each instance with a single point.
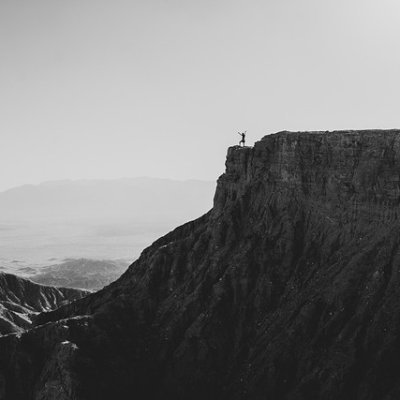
(286, 289)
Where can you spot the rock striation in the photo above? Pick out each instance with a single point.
(287, 289)
(21, 300)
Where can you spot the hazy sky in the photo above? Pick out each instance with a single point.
(103, 89)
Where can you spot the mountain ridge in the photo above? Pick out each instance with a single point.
(286, 289)
(82, 274)
(88, 181)
(21, 300)
(105, 199)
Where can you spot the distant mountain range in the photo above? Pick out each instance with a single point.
(140, 199)
(42, 225)
(81, 273)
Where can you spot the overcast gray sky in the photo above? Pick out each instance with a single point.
(103, 89)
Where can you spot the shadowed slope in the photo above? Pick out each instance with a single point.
(287, 288)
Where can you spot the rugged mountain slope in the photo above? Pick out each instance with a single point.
(287, 289)
(21, 300)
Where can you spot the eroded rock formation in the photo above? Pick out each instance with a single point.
(21, 300)
(287, 289)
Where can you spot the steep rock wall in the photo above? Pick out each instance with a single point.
(287, 289)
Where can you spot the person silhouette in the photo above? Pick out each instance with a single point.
(243, 140)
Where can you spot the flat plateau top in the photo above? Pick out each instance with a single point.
(341, 132)
(361, 132)
(367, 134)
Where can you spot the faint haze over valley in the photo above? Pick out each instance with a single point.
(57, 222)
(127, 271)
(140, 200)
(97, 89)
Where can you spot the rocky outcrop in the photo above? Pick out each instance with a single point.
(287, 289)
(57, 381)
(21, 300)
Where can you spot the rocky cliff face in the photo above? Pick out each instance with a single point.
(287, 289)
(21, 300)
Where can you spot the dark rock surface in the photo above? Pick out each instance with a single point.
(21, 300)
(287, 289)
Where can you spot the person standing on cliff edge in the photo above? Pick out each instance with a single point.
(243, 140)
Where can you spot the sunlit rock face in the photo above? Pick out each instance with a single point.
(287, 289)
(21, 300)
